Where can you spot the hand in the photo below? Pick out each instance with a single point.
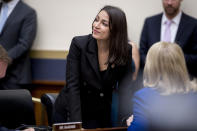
(129, 120)
(29, 129)
(3, 68)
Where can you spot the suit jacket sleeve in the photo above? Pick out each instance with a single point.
(73, 83)
(69, 98)
(187, 39)
(143, 43)
(26, 35)
(140, 119)
(191, 53)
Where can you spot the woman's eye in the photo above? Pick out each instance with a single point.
(96, 19)
(105, 24)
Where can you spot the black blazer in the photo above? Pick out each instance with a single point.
(85, 93)
(186, 37)
(17, 38)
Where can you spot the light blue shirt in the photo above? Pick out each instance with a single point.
(11, 5)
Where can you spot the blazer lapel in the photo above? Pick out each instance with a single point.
(180, 30)
(15, 12)
(92, 56)
(158, 28)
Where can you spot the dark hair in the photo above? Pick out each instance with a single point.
(118, 41)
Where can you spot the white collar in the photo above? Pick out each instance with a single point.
(175, 20)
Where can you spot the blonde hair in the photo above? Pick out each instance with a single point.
(165, 69)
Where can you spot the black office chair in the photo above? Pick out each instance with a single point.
(16, 108)
(48, 100)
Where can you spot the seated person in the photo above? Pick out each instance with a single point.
(168, 101)
(4, 58)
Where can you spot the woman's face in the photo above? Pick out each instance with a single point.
(100, 26)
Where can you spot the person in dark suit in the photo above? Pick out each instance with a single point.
(16, 36)
(183, 31)
(168, 101)
(96, 64)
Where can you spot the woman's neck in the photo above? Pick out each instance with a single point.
(103, 53)
(103, 45)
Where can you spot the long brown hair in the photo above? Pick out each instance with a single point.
(118, 41)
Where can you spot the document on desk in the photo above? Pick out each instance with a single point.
(70, 126)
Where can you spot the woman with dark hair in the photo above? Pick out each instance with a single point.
(96, 64)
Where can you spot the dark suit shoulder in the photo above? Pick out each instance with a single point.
(25, 7)
(83, 37)
(189, 18)
(154, 17)
(153, 22)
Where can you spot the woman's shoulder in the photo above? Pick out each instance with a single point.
(144, 90)
(83, 40)
(83, 37)
(147, 92)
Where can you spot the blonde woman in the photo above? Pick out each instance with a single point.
(168, 101)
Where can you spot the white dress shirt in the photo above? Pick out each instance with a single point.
(174, 26)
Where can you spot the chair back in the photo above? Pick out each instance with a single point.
(48, 100)
(16, 108)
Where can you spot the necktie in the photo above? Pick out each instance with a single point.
(3, 17)
(167, 33)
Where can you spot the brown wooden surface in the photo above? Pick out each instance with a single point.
(50, 83)
(38, 89)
